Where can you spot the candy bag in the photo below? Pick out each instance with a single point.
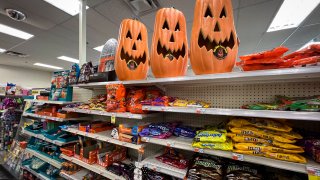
(185, 131)
(273, 53)
(173, 158)
(116, 94)
(260, 123)
(242, 171)
(286, 157)
(247, 139)
(225, 146)
(265, 148)
(211, 135)
(249, 152)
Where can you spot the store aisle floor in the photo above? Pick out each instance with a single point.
(4, 175)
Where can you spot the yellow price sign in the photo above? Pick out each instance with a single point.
(113, 118)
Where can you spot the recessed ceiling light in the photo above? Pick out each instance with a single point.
(69, 6)
(47, 66)
(99, 48)
(2, 50)
(66, 58)
(14, 32)
(292, 13)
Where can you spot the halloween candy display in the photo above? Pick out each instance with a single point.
(169, 49)
(132, 57)
(214, 42)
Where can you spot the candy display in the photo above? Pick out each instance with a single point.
(10, 120)
(122, 169)
(173, 158)
(205, 167)
(158, 130)
(265, 137)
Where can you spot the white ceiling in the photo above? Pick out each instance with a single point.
(56, 32)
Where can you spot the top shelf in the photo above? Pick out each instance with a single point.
(262, 76)
(50, 102)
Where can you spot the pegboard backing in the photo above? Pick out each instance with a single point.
(81, 95)
(237, 95)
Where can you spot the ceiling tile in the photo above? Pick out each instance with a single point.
(274, 39)
(314, 17)
(303, 35)
(186, 6)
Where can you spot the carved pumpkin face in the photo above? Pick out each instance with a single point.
(132, 58)
(169, 53)
(214, 42)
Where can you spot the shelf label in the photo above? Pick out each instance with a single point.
(313, 173)
(238, 157)
(147, 139)
(163, 109)
(113, 118)
(198, 150)
(200, 111)
(170, 144)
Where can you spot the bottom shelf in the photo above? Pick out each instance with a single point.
(76, 176)
(40, 176)
(154, 164)
(94, 167)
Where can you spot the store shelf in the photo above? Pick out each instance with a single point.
(103, 113)
(152, 163)
(185, 144)
(40, 176)
(76, 176)
(94, 167)
(50, 102)
(54, 118)
(40, 136)
(51, 161)
(310, 116)
(262, 76)
(11, 171)
(105, 136)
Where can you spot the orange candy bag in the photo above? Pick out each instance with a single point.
(116, 98)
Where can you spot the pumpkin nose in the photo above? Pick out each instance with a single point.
(171, 38)
(134, 47)
(217, 27)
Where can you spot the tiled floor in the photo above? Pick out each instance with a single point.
(4, 175)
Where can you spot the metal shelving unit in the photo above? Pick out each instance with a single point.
(105, 136)
(40, 136)
(40, 176)
(51, 161)
(76, 176)
(94, 167)
(104, 113)
(296, 115)
(49, 102)
(54, 118)
(262, 76)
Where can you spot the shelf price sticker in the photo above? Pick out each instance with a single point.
(238, 157)
(198, 150)
(113, 118)
(170, 144)
(146, 139)
(200, 111)
(313, 173)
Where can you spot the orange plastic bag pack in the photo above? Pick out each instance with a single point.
(116, 98)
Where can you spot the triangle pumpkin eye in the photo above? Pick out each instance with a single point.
(165, 25)
(129, 35)
(139, 37)
(223, 13)
(208, 13)
(177, 28)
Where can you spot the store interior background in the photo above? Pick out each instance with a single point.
(56, 33)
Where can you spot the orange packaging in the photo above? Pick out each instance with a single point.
(92, 157)
(116, 98)
(130, 138)
(114, 156)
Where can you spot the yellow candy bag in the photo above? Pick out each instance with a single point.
(286, 157)
(211, 135)
(265, 148)
(260, 123)
(285, 146)
(255, 153)
(256, 132)
(225, 146)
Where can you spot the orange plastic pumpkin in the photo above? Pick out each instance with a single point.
(214, 42)
(132, 57)
(169, 50)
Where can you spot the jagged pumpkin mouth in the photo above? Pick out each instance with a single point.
(171, 55)
(132, 62)
(219, 48)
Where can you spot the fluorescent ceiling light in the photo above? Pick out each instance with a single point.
(66, 58)
(292, 13)
(47, 66)
(14, 32)
(2, 50)
(69, 6)
(99, 48)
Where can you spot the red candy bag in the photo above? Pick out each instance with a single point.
(116, 95)
(274, 53)
(173, 158)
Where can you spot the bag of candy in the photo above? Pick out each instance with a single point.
(173, 158)
(260, 123)
(116, 95)
(185, 131)
(265, 148)
(243, 171)
(211, 135)
(225, 146)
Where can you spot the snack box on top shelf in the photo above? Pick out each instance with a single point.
(95, 127)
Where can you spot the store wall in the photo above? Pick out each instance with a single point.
(29, 78)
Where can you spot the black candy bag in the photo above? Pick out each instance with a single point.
(243, 171)
(205, 167)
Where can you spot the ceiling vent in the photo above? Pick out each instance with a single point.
(12, 53)
(15, 14)
(143, 7)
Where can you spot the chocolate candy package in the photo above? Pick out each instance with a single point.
(158, 130)
(185, 131)
(173, 158)
(205, 167)
(243, 171)
(148, 174)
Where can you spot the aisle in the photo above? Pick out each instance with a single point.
(4, 174)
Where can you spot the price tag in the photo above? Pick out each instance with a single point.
(163, 109)
(200, 111)
(170, 144)
(145, 108)
(198, 150)
(113, 118)
(313, 173)
(147, 139)
(238, 157)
